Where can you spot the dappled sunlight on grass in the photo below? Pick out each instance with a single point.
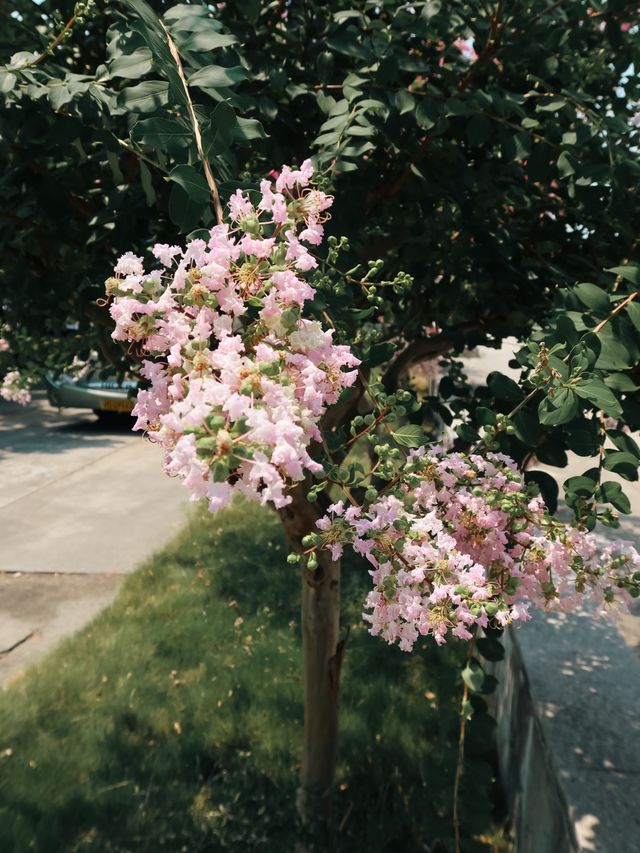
(173, 722)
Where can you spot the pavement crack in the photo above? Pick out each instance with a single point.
(4, 652)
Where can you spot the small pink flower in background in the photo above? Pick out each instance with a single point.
(15, 389)
(465, 46)
(4, 345)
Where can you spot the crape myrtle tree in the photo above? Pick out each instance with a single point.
(473, 176)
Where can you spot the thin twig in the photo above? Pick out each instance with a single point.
(619, 307)
(594, 331)
(544, 12)
(196, 127)
(53, 44)
(140, 155)
(491, 45)
(460, 760)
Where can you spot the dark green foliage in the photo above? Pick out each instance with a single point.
(496, 184)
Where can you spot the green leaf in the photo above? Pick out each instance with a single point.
(426, 113)
(146, 14)
(621, 382)
(192, 182)
(623, 441)
(161, 133)
(187, 16)
(219, 135)
(478, 129)
(504, 388)
(551, 106)
(633, 310)
(379, 353)
(547, 485)
(592, 296)
(467, 433)
(7, 81)
(622, 463)
(249, 129)
(565, 165)
(183, 210)
(584, 437)
(206, 39)
(485, 416)
(614, 355)
(405, 101)
(559, 409)
(410, 435)
(147, 183)
(583, 486)
(527, 428)
(490, 648)
(473, 676)
(146, 97)
(217, 77)
(628, 273)
(133, 65)
(596, 392)
(250, 9)
(612, 493)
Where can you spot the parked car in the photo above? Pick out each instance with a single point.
(106, 397)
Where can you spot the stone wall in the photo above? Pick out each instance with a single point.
(568, 710)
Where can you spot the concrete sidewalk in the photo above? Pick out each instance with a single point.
(81, 505)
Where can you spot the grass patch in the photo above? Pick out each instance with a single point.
(173, 722)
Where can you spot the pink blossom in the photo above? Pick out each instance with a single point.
(465, 46)
(235, 406)
(129, 264)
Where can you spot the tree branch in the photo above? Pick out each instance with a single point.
(424, 348)
(196, 127)
(489, 49)
(391, 190)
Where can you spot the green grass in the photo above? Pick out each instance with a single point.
(173, 722)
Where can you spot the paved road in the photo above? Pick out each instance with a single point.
(80, 506)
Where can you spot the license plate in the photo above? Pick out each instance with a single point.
(117, 405)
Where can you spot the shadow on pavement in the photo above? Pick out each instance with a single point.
(40, 428)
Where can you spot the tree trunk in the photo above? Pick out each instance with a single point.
(322, 652)
(322, 659)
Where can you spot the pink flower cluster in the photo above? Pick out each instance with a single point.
(15, 388)
(238, 379)
(462, 542)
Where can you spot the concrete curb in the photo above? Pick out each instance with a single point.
(568, 710)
